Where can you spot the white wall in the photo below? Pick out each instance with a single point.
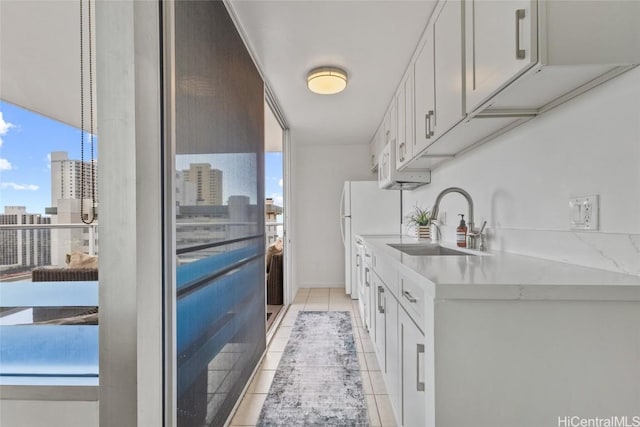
(38, 413)
(317, 177)
(521, 182)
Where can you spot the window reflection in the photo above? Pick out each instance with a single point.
(219, 224)
(216, 201)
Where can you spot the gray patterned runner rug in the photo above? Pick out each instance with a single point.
(318, 381)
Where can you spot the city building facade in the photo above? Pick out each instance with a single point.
(74, 195)
(208, 183)
(23, 249)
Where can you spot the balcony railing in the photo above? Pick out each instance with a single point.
(36, 352)
(25, 247)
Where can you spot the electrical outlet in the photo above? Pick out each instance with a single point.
(584, 212)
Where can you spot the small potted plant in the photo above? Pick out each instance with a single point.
(421, 219)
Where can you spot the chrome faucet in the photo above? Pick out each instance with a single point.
(473, 234)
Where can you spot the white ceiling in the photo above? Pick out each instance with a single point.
(40, 58)
(372, 40)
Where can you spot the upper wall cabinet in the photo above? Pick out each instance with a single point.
(405, 131)
(439, 87)
(526, 56)
(375, 146)
(501, 43)
(484, 67)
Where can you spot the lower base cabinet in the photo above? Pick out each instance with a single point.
(393, 378)
(413, 372)
(382, 329)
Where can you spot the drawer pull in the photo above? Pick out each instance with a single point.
(419, 351)
(520, 53)
(366, 276)
(409, 297)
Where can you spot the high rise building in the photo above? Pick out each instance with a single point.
(67, 181)
(27, 247)
(71, 191)
(208, 183)
(185, 191)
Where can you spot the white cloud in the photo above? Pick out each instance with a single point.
(4, 127)
(48, 160)
(280, 182)
(5, 165)
(18, 187)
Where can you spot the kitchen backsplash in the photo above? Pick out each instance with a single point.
(608, 251)
(521, 182)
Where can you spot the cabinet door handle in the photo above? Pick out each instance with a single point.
(520, 53)
(419, 351)
(409, 297)
(429, 124)
(402, 150)
(427, 121)
(380, 307)
(366, 277)
(432, 120)
(358, 260)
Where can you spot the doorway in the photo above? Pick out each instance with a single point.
(274, 215)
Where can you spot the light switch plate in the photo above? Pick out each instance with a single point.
(584, 212)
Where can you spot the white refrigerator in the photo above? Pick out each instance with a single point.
(365, 209)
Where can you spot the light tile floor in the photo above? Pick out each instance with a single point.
(319, 299)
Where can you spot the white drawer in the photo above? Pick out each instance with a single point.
(412, 297)
(387, 272)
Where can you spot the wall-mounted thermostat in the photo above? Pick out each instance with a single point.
(583, 212)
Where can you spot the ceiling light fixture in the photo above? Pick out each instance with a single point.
(327, 80)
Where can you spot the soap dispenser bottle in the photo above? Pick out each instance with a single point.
(461, 233)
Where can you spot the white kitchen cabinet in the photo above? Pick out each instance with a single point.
(438, 78)
(386, 341)
(411, 295)
(528, 56)
(381, 327)
(390, 124)
(501, 43)
(374, 150)
(405, 132)
(393, 377)
(368, 279)
(384, 166)
(424, 95)
(449, 85)
(413, 372)
(481, 73)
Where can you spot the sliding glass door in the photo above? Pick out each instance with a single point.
(217, 112)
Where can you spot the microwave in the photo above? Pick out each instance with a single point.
(389, 178)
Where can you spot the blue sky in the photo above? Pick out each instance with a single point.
(27, 138)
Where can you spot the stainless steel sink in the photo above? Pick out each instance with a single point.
(427, 249)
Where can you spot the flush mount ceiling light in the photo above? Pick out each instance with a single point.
(327, 80)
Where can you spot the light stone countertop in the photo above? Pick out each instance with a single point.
(505, 276)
